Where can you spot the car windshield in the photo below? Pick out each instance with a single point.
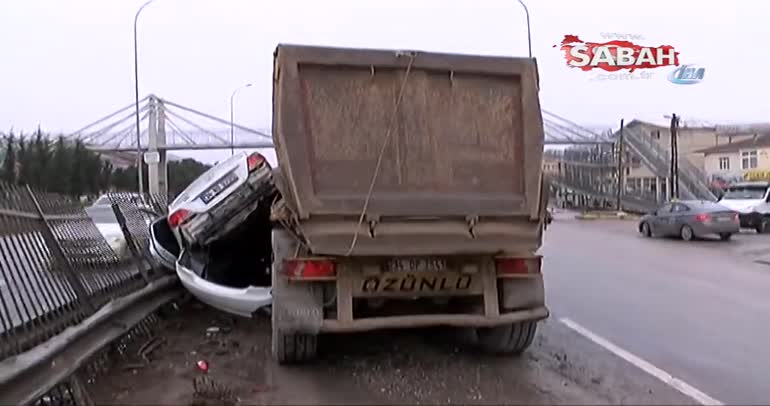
(745, 192)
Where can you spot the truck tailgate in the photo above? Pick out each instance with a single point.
(466, 139)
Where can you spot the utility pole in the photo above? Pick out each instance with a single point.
(139, 155)
(620, 168)
(674, 193)
(232, 123)
(529, 33)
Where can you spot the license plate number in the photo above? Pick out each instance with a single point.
(423, 283)
(415, 265)
(725, 219)
(218, 187)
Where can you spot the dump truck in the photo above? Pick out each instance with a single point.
(411, 195)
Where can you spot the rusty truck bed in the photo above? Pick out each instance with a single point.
(445, 139)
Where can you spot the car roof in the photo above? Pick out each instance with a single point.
(706, 205)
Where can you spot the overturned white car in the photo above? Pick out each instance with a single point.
(217, 235)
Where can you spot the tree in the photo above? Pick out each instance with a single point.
(9, 163)
(23, 158)
(59, 169)
(40, 158)
(105, 176)
(77, 175)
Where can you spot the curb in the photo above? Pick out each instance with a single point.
(606, 216)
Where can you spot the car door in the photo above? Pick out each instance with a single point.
(660, 220)
(678, 217)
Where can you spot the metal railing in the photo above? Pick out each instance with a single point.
(657, 159)
(60, 275)
(605, 192)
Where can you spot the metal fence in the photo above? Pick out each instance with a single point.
(58, 267)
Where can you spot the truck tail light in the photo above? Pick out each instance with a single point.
(254, 161)
(703, 217)
(309, 269)
(178, 217)
(518, 266)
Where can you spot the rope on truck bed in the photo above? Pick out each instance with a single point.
(412, 56)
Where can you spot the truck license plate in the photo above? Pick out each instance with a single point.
(421, 283)
(415, 265)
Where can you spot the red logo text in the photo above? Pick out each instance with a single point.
(616, 55)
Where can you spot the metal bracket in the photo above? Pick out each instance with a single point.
(372, 220)
(472, 221)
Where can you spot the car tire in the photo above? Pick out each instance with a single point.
(686, 233)
(725, 236)
(511, 339)
(645, 229)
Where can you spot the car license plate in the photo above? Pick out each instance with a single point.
(724, 219)
(415, 265)
(421, 283)
(222, 184)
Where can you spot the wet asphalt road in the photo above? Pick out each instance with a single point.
(700, 310)
(404, 367)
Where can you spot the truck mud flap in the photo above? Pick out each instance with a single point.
(297, 307)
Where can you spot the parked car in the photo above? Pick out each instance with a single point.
(689, 220)
(752, 202)
(217, 237)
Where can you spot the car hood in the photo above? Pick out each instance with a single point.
(740, 205)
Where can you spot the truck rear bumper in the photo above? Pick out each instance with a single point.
(418, 321)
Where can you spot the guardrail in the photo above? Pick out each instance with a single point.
(63, 287)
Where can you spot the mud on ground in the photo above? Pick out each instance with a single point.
(388, 367)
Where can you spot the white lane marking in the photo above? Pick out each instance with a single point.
(645, 366)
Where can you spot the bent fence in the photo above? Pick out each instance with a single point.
(69, 286)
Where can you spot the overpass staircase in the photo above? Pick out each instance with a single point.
(692, 180)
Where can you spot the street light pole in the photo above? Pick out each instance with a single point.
(232, 122)
(136, 100)
(529, 33)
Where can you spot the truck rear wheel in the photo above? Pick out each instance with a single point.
(287, 348)
(294, 348)
(508, 339)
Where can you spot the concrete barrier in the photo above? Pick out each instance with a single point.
(606, 215)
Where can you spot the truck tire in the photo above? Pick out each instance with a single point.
(763, 225)
(510, 339)
(287, 348)
(294, 348)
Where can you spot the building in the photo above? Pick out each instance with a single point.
(748, 159)
(692, 140)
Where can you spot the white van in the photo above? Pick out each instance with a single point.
(752, 202)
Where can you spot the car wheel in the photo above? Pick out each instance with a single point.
(686, 233)
(510, 339)
(725, 236)
(646, 231)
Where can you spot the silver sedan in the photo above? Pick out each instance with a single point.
(689, 220)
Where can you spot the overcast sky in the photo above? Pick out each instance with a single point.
(66, 63)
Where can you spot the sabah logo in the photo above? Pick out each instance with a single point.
(616, 55)
(687, 75)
